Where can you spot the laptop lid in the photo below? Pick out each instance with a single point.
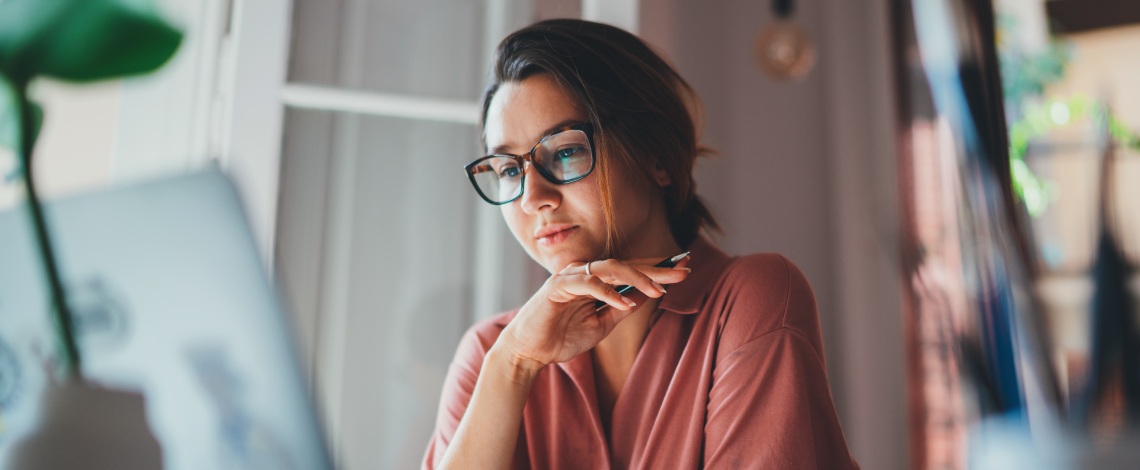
(170, 299)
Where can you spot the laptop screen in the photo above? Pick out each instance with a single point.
(169, 300)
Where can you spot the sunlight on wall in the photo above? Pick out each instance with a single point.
(75, 148)
(1105, 66)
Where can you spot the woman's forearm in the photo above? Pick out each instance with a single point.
(488, 432)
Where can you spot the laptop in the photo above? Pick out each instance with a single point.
(169, 300)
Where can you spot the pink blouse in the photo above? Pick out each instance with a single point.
(731, 375)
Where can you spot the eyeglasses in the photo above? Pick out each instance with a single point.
(562, 158)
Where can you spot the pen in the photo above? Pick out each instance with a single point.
(668, 263)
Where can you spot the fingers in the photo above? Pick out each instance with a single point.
(615, 273)
(665, 276)
(611, 317)
(648, 280)
(633, 294)
(579, 285)
(672, 275)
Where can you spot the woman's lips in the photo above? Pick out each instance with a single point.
(554, 234)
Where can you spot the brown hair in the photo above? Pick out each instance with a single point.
(639, 107)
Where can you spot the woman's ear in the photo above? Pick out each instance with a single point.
(661, 176)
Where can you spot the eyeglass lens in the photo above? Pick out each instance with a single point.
(561, 158)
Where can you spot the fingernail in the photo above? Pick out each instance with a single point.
(658, 286)
(627, 301)
(682, 268)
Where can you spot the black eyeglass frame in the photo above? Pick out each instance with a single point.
(586, 128)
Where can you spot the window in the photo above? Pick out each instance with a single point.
(384, 252)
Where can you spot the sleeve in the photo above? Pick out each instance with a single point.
(458, 387)
(770, 405)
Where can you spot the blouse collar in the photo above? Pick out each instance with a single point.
(707, 263)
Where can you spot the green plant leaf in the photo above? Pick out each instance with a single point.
(82, 40)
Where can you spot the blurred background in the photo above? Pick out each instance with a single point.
(345, 124)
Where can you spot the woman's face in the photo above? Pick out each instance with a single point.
(561, 224)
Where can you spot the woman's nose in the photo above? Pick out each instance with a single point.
(538, 194)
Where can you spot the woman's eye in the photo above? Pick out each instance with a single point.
(509, 172)
(567, 153)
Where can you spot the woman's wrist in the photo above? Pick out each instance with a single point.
(506, 364)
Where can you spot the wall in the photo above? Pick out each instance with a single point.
(74, 151)
(770, 186)
(807, 170)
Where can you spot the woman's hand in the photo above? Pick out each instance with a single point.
(560, 322)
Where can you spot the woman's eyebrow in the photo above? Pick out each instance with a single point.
(558, 127)
(499, 150)
(547, 133)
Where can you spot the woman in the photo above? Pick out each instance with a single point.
(592, 146)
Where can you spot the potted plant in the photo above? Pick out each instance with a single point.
(82, 425)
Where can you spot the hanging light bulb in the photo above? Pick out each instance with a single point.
(783, 49)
